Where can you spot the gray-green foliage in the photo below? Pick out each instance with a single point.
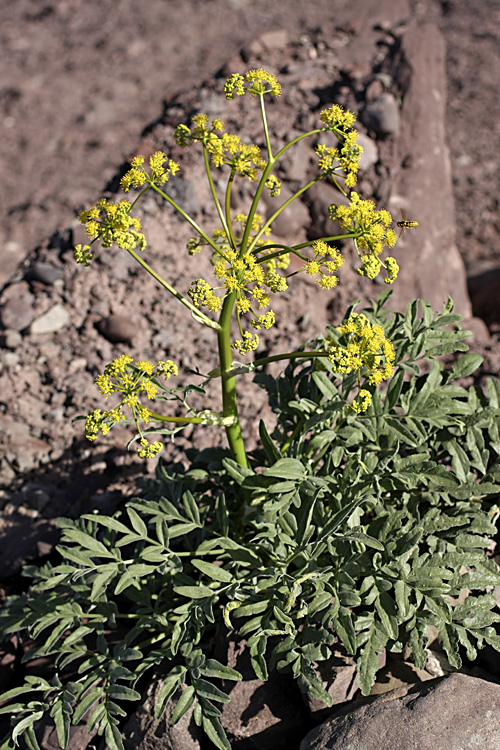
(355, 530)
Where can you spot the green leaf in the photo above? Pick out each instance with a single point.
(62, 715)
(286, 468)
(137, 523)
(270, 448)
(194, 592)
(24, 724)
(183, 704)
(449, 641)
(123, 693)
(213, 668)
(191, 507)
(466, 365)
(86, 704)
(113, 737)
(216, 572)
(209, 691)
(88, 542)
(325, 386)
(386, 610)
(367, 663)
(168, 688)
(214, 731)
(110, 523)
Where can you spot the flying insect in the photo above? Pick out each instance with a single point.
(405, 223)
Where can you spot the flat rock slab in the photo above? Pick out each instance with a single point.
(457, 712)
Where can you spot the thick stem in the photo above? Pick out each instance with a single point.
(228, 383)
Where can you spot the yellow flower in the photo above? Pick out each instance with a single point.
(83, 254)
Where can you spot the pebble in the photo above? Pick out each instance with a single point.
(382, 115)
(44, 272)
(11, 339)
(52, 320)
(117, 329)
(17, 308)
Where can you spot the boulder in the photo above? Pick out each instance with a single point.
(430, 264)
(457, 712)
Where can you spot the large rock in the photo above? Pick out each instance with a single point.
(457, 712)
(431, 266)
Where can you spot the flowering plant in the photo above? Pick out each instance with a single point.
(248, 266)
(354, 527)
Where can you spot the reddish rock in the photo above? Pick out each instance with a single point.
(446, 713)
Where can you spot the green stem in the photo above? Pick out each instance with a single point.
(266, 129)
(197, 314)
(278, 358)
(228, 383)
(213, 191)
(177, 420)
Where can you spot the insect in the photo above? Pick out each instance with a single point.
(405, 223)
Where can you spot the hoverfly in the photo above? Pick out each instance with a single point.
(405, 223)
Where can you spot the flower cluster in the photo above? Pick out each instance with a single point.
(203, 295)
(160, 171)
(340, 162)
(110, 223)
(252, 276)
(243, 159)
(255, 82)
(371, 231)
(344, 160)
(131, 380)
(365, 346)
(326, 261)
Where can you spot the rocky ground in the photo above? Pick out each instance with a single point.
(87, 85)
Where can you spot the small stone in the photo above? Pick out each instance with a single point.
(117, 329)
(11, 339)
(44, 272)
(51, 321)
(382, 115)
(10, 359)
(17, 307)
(79, 363)
(275, 39)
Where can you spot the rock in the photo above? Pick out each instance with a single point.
(369, 157)
(339, 680)
(261, 715)
(17, 307)
(11, 339)
(319, 197)
(297, 160)
(381, 115)
(44, 272)
(447, 713)
(292, 219)
(431, 267)
(117, 329)
(51, 321)
(144, 731)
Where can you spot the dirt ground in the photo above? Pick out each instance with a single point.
(84, 85)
